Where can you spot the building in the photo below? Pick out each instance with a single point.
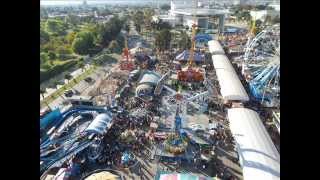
(263, 14)
(185, 14)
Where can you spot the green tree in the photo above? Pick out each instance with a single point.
(63, 50)
(109, 31)
(55, 26)
(163, 39)
(44, 58)
(81, 65)
(165, 7)
(72, 19)
(138, 19)
(52, 55)
(68, 77)
(185, 41)
(114, 46)
(83, 42)
(44, 36)
(148, 13)
(71, 36)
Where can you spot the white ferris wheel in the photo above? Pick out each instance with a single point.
(261, 66)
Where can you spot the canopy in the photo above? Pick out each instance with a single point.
(139, 49)
(100, 124)
(201, 37)
(184, 56)
(259, 157)
(230, 85)
(221, 61)
(215, 47)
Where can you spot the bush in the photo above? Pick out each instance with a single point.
(57, 69)
(103, 59)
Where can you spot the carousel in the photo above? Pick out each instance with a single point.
(175, 144)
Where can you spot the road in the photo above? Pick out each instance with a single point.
(83, 87)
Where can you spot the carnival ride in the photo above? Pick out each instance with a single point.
(189, 74)
(177, 142)
(261, 66)
(76, 130)
(127, 63)
(128, 159)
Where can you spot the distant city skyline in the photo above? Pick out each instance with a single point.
(147, 2)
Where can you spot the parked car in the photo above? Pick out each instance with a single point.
(69, 93)
(89, 80)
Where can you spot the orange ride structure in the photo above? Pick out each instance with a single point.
(127, 63)
(190, 74)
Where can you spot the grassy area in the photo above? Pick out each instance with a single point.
(59, 67)
(68, 86)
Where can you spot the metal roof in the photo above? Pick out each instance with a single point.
(230, 85)
(100, 124)
(221, 61)
(215, 47)
(258, 155)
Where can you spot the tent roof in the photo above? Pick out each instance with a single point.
(184, 56)
(215, 47)
(140, 50)
(259, 157)
(231, 87)
(221, 61)
(100, 124)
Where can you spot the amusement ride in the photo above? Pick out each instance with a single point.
(189, 74)
(261, 66)
(127, 63)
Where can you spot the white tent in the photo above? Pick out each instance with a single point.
(215, 47)
(230, 86)
(258, 156)
(221, 61)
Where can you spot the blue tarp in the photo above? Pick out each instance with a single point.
(203, 37)
(184, 56)
(231, 30)
(50, 118)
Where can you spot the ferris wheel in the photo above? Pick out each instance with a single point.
(261, 66)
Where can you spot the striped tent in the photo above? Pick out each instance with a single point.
(184, 56)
